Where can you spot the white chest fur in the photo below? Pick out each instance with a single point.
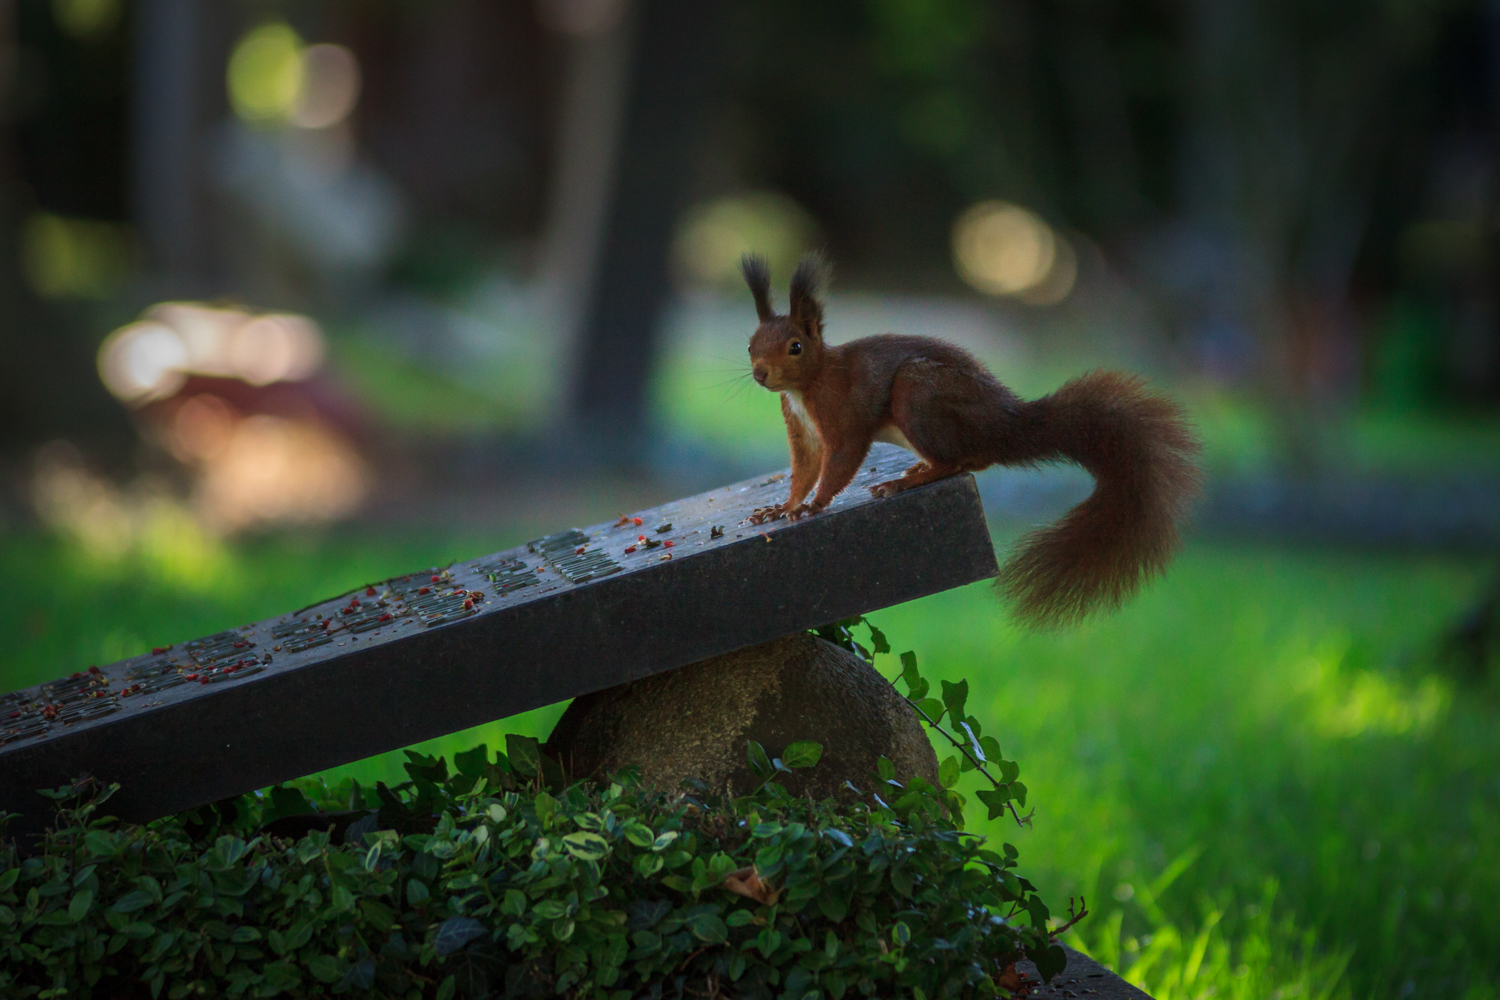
(799, 412)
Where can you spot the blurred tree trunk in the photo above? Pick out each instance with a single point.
(1290, 114)
(595, 88)
(166, 141)
(672, 70)
(11, 288)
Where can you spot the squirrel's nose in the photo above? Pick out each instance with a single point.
(760, 375)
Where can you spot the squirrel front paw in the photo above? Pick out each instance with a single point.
(804, 510)
(761, 515)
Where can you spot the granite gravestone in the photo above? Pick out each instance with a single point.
(432, 652)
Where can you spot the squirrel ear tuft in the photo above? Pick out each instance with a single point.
(758, 277)
(807, 284)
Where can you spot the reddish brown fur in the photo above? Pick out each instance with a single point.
(957, 417)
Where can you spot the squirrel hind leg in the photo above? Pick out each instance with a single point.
(918, 475)
(947, 415)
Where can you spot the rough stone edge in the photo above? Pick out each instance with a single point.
(1082, 974)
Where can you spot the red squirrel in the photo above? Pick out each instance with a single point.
(938, 401)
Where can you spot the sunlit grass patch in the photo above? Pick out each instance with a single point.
(1269, 958)
(1276, 711)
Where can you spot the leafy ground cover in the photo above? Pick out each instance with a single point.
(497, 879)
(1254, 772)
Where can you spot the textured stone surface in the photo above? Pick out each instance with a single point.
(575, 612)
(1083, 977)
(695, 722)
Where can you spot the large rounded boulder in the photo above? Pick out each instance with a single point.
(695, 722)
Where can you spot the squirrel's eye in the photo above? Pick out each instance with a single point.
(796, 347)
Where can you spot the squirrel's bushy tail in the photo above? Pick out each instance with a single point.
(1141, 451)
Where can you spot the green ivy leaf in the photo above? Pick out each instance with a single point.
(359, 975)
(1050, 961)
(424, 767)
(933, 708)
(132, 901)
(525, 754)
(456, 932)
(948, 772)
(299, 935)
(995, 799)
(885, 768)
(80, 905)
(759, 762)
(838, 836)
(286, 800)
(587, 845)
(909, 672)
(471, 763)
(550, 909)
(278, 977)
(954, 696)
(708, 928)
(803, 753)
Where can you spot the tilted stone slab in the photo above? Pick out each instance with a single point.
(432, 652)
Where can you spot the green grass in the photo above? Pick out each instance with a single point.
(1251, 772)
(1252, 757)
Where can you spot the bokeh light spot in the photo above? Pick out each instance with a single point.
(201, 428)
(275, 348)
(329, 86)
(277, 469)
(712, 237)
(149, 359)
(265, 73)
(74, 258)
(1004, 249)
(142, 361)
(86, 20)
